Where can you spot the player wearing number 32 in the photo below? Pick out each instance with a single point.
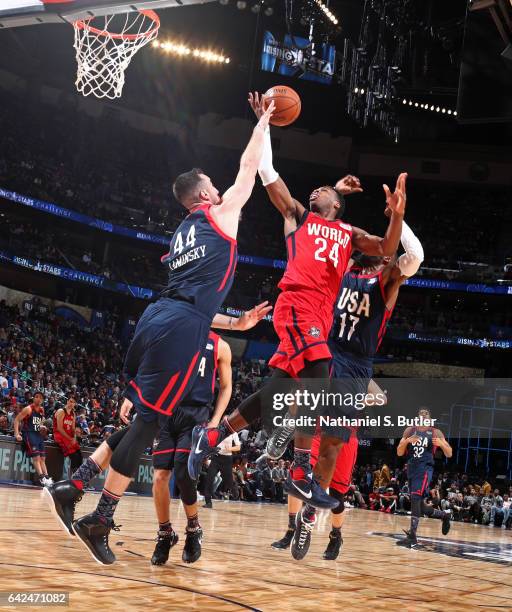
(419, 444)
(319, 246)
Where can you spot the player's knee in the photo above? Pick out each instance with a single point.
(161, 478)
(187, 487)
(341, 501)
(127, 453)
(329, 448)
(113, 440)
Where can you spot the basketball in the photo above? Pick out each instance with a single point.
(287, 103)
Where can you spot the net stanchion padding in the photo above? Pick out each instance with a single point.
(105, 46)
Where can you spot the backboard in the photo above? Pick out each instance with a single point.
(16, 13)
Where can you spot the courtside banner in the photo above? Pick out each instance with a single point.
(17, 468)
(252, 260)
(296, 57)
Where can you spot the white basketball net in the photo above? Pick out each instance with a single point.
(103, 56)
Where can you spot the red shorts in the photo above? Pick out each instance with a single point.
(345, 462)
(66, 446)
(302, 320)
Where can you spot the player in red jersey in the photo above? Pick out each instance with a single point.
(319, 246)
(338, 488)
(64, 426)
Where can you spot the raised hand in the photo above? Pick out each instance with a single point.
(348, 184)
(395, 202)
(256, 101)
(267, 114)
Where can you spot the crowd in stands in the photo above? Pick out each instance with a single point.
(443, 315)
(99, 167)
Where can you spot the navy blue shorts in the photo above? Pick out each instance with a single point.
(161, 362)
(175, 437)
(419, 481)
(33, 444)
(348, 365)
(350, 376)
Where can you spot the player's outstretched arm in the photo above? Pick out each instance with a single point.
(277, 190)
(387, 246)
(225, 382)
(399, 270)
(245, 321)
(227, 214)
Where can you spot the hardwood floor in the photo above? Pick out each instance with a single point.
(470, 568)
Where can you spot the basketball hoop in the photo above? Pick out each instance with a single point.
(103, 56)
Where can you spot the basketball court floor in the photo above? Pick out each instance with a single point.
(469, 569)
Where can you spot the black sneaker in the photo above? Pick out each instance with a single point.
(445, 527)
(164, 542)
(62, 498)
(93, 529)
(409, 541)
(302, 536)
(192, 548)
(285, 541)
(310, 492)
(279, 440)
(208, 505)
(333, 548)
(199, 451)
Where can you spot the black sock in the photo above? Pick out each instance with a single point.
(107, 504)
(165, 526)
(309, 513)
(291, 521)
(336, 531)
(414, 525)
(301, 463)
(85, 473)
(193, 523)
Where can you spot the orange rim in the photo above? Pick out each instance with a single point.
(83, 24)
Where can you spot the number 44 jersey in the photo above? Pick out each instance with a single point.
(201, 262)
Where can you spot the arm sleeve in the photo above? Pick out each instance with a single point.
(266, 170)
(410, 261)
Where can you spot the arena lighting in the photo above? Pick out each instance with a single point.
(424, 106)
(181, 50)
(327, 12)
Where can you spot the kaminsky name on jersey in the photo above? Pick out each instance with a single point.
(201, 262)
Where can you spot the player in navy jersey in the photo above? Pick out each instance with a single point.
(419, 443)
(161, 363)
(31, 418)
(174, 444)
